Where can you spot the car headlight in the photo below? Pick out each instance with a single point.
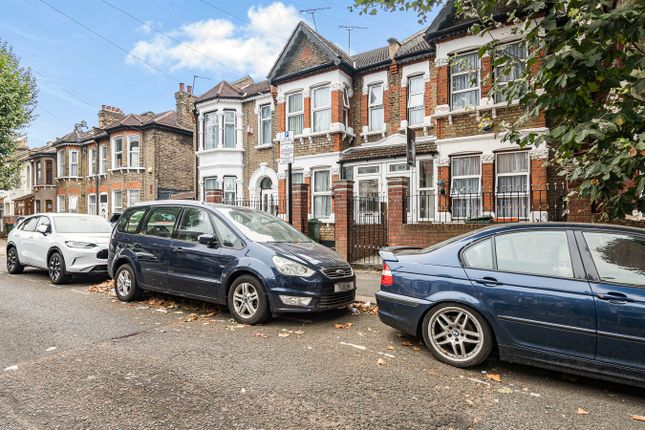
(291, 268)
(82, 245)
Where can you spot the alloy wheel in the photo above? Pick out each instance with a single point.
(456, 334)
(245, 300)
(12, 259)
(124, 283)
(54, 267)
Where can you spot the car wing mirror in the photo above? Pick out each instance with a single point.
(44, 229)
(208, 240)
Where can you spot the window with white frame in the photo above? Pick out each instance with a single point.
(321, 194)
(39, 173)
(416, 100)
(211, 183)
(73, 163)
(426, 189)
(229, 129)
(464, 80)
(91, 164)
(60, 160)
(72, 204)
(230, 189)
(103, 160)
(345, 107)
(265, 125)
(91, 204)
(397, 168)
(295, 113)
(375, 105)
(211, 130)
(117, 152)
(298, 177)
(512, 184)
(516, 53)
(465, 187)
(134, 148)
(60, 203)
(321, 108)
(134, 196)
(367, 170)
(117, 201)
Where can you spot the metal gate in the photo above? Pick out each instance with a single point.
(368, 230)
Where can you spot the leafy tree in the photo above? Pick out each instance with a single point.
(17, 102)
(585, 70)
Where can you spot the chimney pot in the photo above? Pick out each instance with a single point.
(190, 89)
(103, 107)
(181, 87)
(393, 46)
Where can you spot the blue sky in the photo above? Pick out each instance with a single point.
(78, 71)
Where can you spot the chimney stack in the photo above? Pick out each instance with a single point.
(185, 102)
(109, 114)
(393, 47)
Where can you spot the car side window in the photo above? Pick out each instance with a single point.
(479, 255)
(43, 221)
(30, 224)
(619, 258)
(227, 236)
(161, 221)
(193, 224)
(542, 252)
(129, 223)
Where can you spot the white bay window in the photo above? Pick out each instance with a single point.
(375, 105)
(134, 147)
(465, 187)
(416, 105)
(229, 129)
(73, 163)
(514, 69)
(230, 189)
(321, 194)
(265, 125)
(295, 113)
(512, 185)
(321, 108)
(211, 130)
(464, 80)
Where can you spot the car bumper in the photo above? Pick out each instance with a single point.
(401, 312)
(323, 297)
(86, 260)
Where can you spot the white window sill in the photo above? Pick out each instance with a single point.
(474, 109)
(103, 175)
(127, 169)
(69, 177)
(216, 150)
(270, 145)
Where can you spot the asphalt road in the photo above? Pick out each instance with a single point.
(135, 366)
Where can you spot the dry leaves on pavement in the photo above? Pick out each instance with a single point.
(638, 418)
(103, 287)
(345, 326)
(380, 362)
(494, 377)
(581, 411)
(363, 308)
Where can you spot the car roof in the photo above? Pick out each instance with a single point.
(194, 203)
(518, 226)
(61, 214)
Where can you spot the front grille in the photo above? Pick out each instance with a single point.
(337, 272)
(338, 299)
(102, 254)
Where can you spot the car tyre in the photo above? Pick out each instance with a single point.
(56, 268)
(457, 335)
(247, 301)
(13, 261)
(125, 284)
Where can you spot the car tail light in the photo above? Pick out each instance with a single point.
(386, 276)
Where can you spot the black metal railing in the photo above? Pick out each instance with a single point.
(269, 203)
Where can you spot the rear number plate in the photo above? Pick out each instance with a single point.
(343, 286)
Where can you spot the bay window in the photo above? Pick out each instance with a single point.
(49, 172)
(60, 160)
(103, 160)
(117, 201)
(295, 113)
(229, 129)
(211, 130)
(464, 80)
(265, 125)
(134, 196)
(60, 203)
(516, 53)
(117, 153)
(211, 184)
(512, 184)
(39, 173)
(465, 187)
(375, 105)
(345, 107)
(321, 194)
(416, 92)
(230, 189)
(91, 164)
(321, 108)
(134, 147)
(73, 163)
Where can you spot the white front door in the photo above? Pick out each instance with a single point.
(103, 205)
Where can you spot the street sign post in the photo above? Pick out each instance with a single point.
(286, 157)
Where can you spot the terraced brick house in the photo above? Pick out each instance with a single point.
(129, 158)
(43, 170)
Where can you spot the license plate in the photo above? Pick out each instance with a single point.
(343, 286)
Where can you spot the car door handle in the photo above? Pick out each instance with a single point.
(615, 298)
(178, 250)
(487, 280)
(137, 245)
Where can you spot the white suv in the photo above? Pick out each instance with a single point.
(62, 243)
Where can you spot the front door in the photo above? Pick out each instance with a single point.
(195, 267)
(536, 295)
(103, 205)
(616, 263)
(154, 245)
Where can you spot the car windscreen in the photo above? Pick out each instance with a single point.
(81, 224)
(261, 227)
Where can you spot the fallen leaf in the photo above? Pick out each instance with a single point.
(390, 348)
(416, 348)
(191, 317)
(299, 332)
(505, 390)
(283, 334)
(494, 377)
(638, 418)
(344, 326)
(258, 334)
(406, 343)
(581, 411)
(380, 362)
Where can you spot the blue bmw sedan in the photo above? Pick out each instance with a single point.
(565, 296)
(246, 259)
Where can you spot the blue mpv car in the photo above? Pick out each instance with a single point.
(254, 263)
(565, 296)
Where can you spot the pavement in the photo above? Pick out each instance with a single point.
(71, 358)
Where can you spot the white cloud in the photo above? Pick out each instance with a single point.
(219, 45)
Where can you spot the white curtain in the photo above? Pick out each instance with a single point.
(514, 162)
(211, 128)
(465, 166)
(229, 129)
(322, 118)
